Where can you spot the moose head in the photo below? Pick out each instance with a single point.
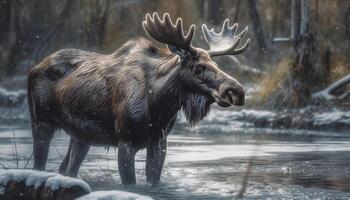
(199, 73)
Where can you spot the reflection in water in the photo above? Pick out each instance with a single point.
(212, 166)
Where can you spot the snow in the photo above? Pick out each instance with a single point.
(230, 120)
(59, 181)
(286, 170)
(113, 195)
(258, 113)
(218, 115)
(201, 153)
(31, 177)
(11, 96)
(38, 178)
(331, 117)
(326, 93)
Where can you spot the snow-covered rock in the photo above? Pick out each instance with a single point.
(31, 178)
(22, 184)
(113, 195)
(59, 181)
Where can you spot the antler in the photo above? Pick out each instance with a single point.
(163, 30)
(226, 41)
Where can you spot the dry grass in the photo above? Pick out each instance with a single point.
(272, 81)
(340, 67)
(275, 83)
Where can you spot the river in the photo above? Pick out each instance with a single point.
(200, 164)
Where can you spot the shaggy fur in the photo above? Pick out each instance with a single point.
(127, 99)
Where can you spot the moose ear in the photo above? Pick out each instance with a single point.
(178, 51)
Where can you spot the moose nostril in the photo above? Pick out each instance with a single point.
(235, 95)
(231, 95)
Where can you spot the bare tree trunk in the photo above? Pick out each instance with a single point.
(56, 28)
(305, 17)
(12, 38)
(103, 22)
(237, 8)
(257, 26)
(304, 48)
(97, 22)
(296, 20)
(5, 21)
(213, 10)
(5, 15)
(346, 20)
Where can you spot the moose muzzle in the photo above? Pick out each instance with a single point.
(229, 93)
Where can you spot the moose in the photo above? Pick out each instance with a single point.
(130, 98)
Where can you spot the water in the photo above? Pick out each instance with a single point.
(286, 164)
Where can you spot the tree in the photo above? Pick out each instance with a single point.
(257, 27)
(213, 10)
(346, 20)
(13, 35)
(302, 40)
(56, 28)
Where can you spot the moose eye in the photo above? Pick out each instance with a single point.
(198, 69)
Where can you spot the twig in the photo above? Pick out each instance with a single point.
(248, 171)
(246, 177)
(107, 160)
(15, 145)
(57, 151)
(14, 137)
(2, 164)
(328, 93)
(30, 157)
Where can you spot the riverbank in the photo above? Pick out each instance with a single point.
(212, 166)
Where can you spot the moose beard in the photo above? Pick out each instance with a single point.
(195, 107)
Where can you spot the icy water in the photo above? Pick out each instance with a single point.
(285, 164)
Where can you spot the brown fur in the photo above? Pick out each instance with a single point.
(128, 99)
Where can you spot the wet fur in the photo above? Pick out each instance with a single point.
(128, 99)
(114, 94)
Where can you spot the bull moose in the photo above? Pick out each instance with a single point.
(129, 99)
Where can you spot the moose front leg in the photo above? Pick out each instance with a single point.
(126, 163)
(156, 152)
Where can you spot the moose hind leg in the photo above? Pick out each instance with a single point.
(78, 151)
(42, 134)
(156, 152)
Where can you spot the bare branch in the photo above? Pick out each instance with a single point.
(329, 92)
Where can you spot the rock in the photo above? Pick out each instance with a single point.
(30, 184)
